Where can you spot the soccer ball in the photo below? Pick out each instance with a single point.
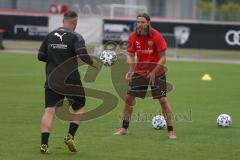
(158, 122)
(224, 120)
(108, 57)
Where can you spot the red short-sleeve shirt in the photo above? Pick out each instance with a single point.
(147, 49)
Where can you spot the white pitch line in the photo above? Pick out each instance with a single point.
(20, 75)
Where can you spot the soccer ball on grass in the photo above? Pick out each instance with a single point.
(224, 120)
(158, 122)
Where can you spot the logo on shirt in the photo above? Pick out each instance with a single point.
(138, 45)
(150, 44)
(60, 36)
(58, 46)
(182, 34)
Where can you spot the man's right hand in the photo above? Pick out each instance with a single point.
(96, 64)
(129, 75)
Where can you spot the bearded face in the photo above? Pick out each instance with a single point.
(142, 26)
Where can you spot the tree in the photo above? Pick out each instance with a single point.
(229, 11)
(225, 10)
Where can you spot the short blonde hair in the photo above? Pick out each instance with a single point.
(70, 16)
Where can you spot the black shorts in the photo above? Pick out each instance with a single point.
(138, 86)
(53, 99)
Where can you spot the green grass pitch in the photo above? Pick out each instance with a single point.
(196, 105)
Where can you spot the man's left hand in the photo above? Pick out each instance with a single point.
(151, 77)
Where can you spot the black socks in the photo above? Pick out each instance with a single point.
(73, 128)
(170, 128)
(44, 138)
(45, 135)
(125, 124)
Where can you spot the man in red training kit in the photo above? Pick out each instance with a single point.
(149, 46)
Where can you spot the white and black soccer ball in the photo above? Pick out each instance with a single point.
(158, 122)
(224, 120)
(108, 57)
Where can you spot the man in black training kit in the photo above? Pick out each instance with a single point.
(59, 46)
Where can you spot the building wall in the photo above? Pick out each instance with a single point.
(5, 4)
(168, 8)
(44, 4)
(180, 9)
(157, 8)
